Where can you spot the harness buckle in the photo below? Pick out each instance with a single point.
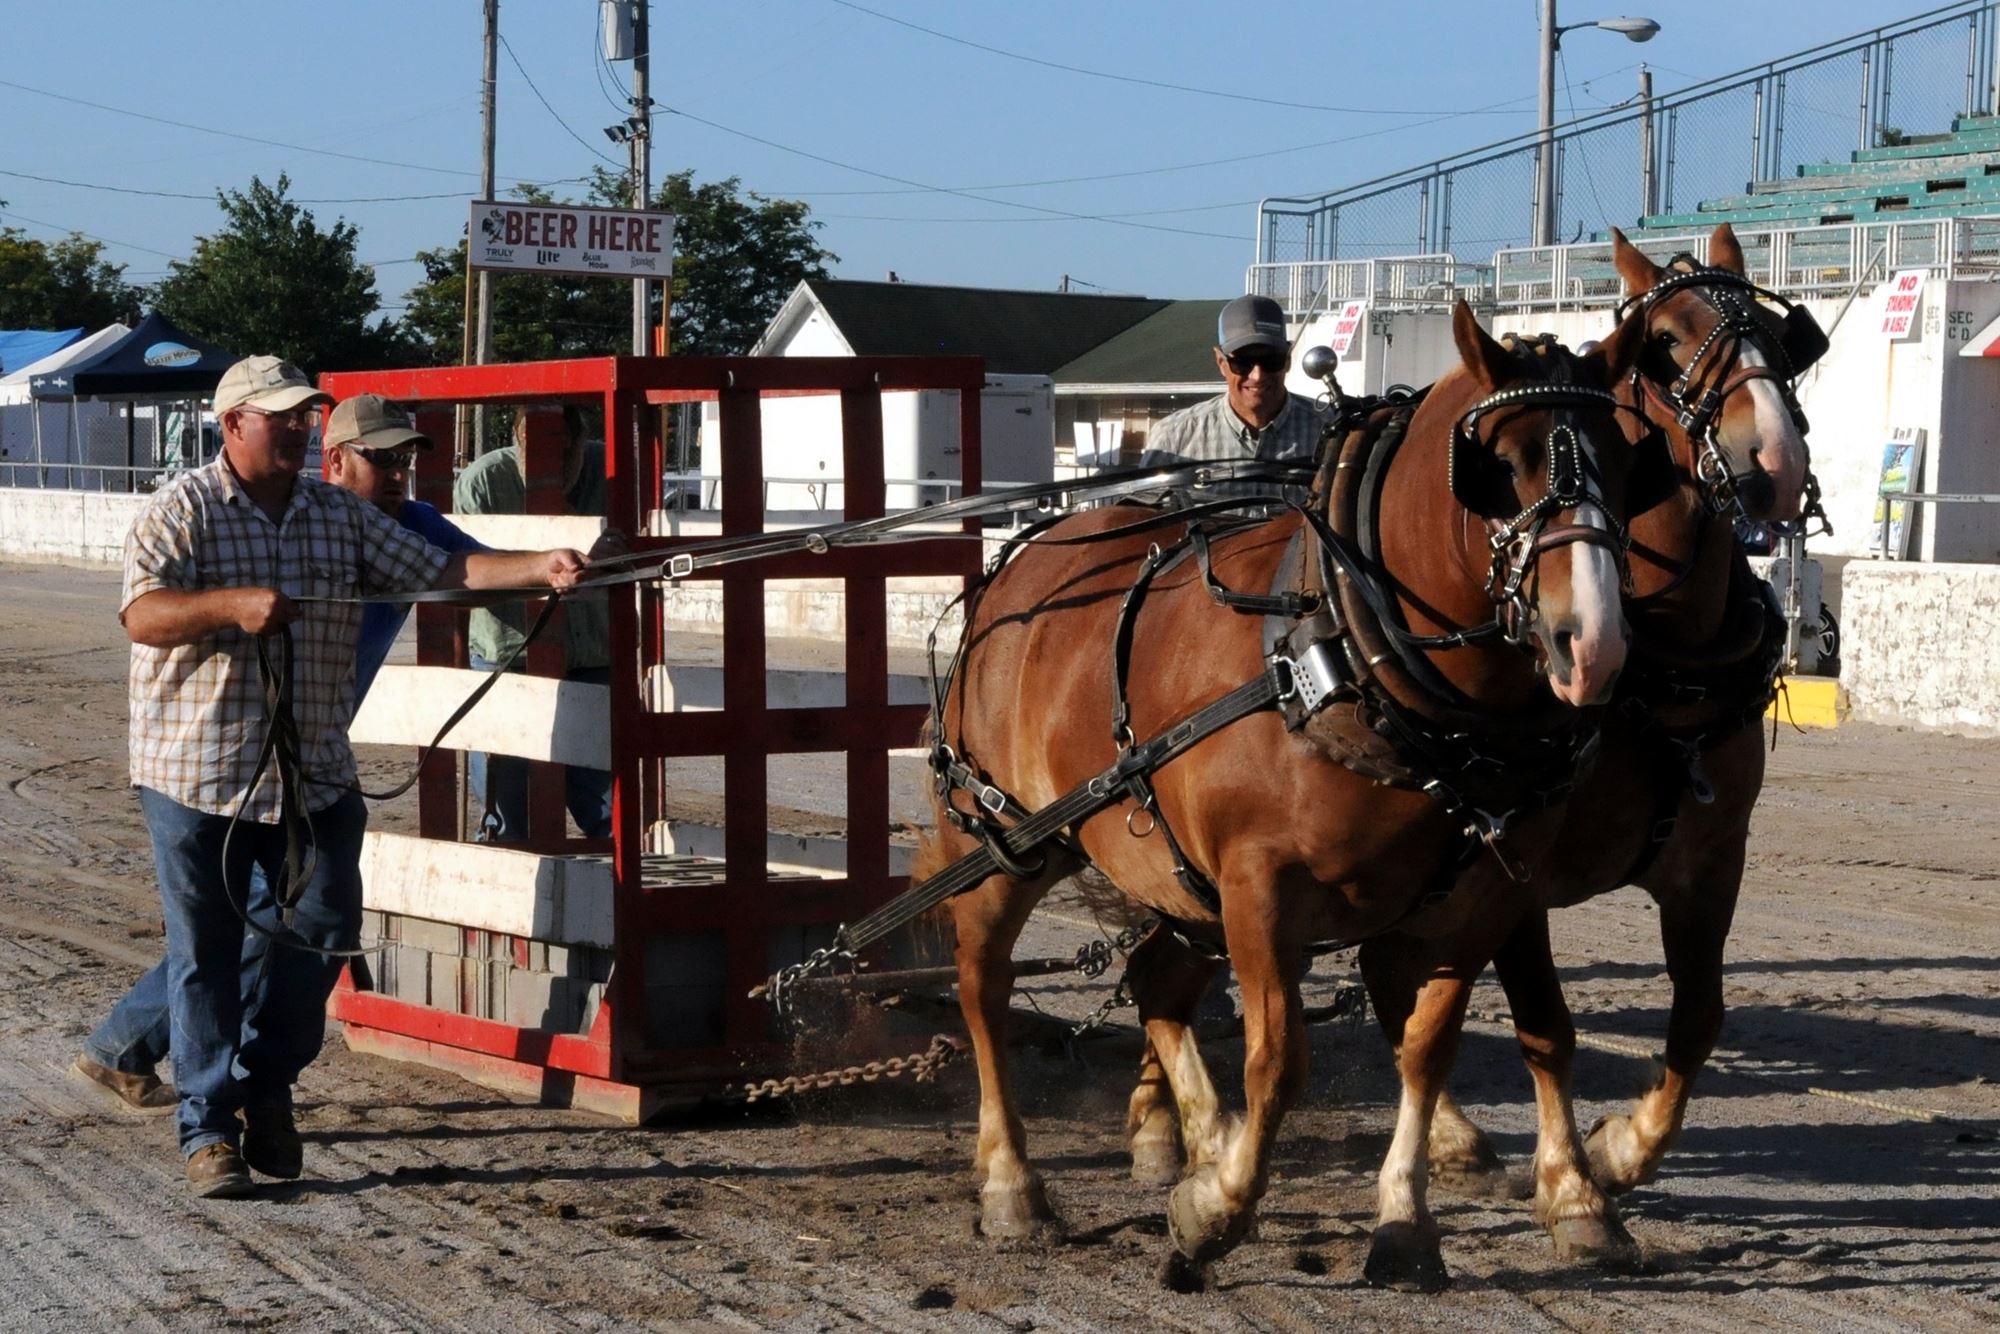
(680, 567)
(991, 797)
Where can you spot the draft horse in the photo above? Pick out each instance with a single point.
(1677, 774)
(1480, 635)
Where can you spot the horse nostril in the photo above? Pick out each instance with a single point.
(1563, 638)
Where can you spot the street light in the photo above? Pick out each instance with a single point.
(1632, 29)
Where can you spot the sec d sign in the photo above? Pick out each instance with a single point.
(560, 238)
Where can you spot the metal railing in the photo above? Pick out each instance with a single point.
(59, 475)
(1798, 261)
(1649, 156)
(1396, 282)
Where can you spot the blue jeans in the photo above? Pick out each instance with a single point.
(500, 782)
(135, 1037)
(241, 1036)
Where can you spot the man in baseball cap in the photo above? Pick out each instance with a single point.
(1254, 418)
(266, 384)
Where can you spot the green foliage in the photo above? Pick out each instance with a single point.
(273, 281)
(737, 256)
(1890, 136)
(64, 285)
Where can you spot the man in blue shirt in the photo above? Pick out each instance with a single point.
(370, 447)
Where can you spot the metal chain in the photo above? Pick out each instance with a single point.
(1095, 959)
(923, 1067)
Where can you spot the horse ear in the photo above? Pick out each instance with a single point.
(1638, 272)
(1724, 250)
(1485, 359)
(1613, 357)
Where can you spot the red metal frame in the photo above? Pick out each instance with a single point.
(617, 1058)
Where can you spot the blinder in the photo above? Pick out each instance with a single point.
(1654, 477)
(1802, 340)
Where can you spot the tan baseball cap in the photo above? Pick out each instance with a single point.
(373, 422)
(270, 383)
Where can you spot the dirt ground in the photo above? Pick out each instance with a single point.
(1840, 1168)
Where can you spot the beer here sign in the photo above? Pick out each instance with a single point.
(561, 238)
(1899, 302)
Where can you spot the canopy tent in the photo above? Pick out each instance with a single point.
(156, 362)
(18, 347)
(14, 384)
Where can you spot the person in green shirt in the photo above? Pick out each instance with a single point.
(495, 483)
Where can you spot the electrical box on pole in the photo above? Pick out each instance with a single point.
(616, 19)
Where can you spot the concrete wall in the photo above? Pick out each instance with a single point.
(1918, 644)
(66, 527)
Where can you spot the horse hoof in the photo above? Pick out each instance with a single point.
(1156, 1163)
(1616, 1164)
(1182, 1275)
(1405, 1257)
(1199, 1221)
(1602, 1242)
(1018, 1216)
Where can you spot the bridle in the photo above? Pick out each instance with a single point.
(1573, 480)
(1699, 392)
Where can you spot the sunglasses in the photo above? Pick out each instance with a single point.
(1273, 363)
(304, 417)
(390, 460)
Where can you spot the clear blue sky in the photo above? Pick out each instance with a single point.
(399, 82)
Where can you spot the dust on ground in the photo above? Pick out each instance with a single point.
(1840, 1167)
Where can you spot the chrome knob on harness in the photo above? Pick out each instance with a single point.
(1318, 362)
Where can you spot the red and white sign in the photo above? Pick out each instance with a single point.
(1347, 323)
(561, 238)
(1900, 296)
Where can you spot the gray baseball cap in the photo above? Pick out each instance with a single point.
(1251, 321)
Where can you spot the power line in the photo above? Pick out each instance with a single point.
(1128, 78)
(102, 240)
(939, 189)
(210, 197)
(245, 138)
(508, 47)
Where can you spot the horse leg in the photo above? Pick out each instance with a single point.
(1012, 1201)
(1167, 980)
(1213, 1208)
(1404, 1253)
(1579, 1217)
(1459, 1151)
(1625, 1151)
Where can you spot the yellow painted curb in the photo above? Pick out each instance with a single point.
(1809, 701)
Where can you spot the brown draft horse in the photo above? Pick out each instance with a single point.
(1667, 806)
(1301, 848)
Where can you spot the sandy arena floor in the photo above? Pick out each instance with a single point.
(1840, 1169)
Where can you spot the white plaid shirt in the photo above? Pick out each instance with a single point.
(197, 712)
(1212, 430)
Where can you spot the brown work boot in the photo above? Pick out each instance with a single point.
(216, 1172)
(271, 1142)
(136, 1095)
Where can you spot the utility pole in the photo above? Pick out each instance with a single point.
(489, 101)
(1545, 146)
(642, 171)
(1649, 189)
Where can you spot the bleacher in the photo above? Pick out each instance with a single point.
(1938, 175)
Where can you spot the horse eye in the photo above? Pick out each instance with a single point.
(1664, 339)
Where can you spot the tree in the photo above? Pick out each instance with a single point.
(272, 281)
(737, 256)
(64, 285)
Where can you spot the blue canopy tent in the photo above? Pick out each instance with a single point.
(156, 363)
(22, 347)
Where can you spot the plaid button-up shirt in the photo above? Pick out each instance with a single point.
(197, 711)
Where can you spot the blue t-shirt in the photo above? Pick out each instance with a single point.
(381, 622)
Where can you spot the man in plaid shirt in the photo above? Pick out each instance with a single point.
(230, 554)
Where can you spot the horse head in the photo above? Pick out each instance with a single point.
(1540, 467)
(1723, 364)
